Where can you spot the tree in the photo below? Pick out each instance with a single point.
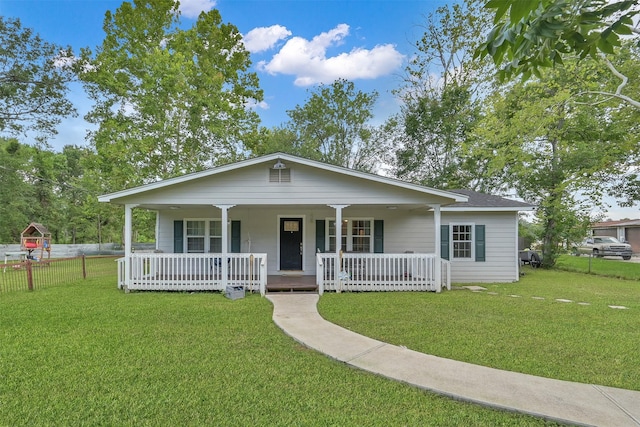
(279, 139)
(556, 153)
(168, 100)
(440, 94)
(333, 126)
(34, 77)
(530, 35)
(16, 195)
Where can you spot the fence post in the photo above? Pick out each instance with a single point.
(84, 267)
(29, 274)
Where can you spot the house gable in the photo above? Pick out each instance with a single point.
(305, 183)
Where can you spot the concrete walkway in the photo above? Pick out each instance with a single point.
(563, 401)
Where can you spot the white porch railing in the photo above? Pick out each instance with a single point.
(381, 272)
(193, 272)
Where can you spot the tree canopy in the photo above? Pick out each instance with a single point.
(332, 126)
(168, 100)
(34, 78)
(532, 34)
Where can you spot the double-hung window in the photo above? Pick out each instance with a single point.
(196, 232)
(203, 236)
(357, 235)
(462, 241)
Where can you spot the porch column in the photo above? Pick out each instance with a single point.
(338, 209)
(128, 238)
(438, 238)
(225, 242)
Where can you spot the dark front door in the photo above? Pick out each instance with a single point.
(290, 243)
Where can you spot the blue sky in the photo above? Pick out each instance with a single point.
(294, 44)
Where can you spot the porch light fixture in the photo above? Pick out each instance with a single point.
(392, 207)
(279, 165)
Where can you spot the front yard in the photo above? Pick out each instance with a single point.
(551, 323)
(87, 354)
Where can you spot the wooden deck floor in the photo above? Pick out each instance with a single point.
(291, 284)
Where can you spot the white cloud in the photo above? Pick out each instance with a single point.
(307, 60)
(264, 38)
(192, 8)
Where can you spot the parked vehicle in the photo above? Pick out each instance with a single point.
(600, 246)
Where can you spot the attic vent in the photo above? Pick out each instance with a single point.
(279, 175)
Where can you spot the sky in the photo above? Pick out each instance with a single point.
(295, 45)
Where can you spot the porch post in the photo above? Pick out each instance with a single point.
(128, 238)
(438, 266)
(338, 209)
(225, 243)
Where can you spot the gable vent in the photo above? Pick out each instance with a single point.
(279, 175)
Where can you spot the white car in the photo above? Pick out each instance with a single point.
(600, 246)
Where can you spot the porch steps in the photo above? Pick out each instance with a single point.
(291, 283)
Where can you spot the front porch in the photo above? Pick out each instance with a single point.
(334, 272)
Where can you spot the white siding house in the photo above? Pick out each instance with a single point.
(276, 215)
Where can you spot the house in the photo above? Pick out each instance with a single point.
(243, 223)
(627, 230)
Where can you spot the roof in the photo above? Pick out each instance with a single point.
(112, 197)
(482, 201)
(36, 227)
(621, 223)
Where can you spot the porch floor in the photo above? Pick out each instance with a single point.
(285, 283)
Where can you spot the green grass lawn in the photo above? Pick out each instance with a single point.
(510, 327)
(610, 267)
(87, 354)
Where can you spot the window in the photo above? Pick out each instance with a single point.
(357, 235)
(203, 236)
(215, 236)
(462, 241)
(195, 236)
(332, 235)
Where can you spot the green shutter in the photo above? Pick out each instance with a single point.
(444, 241)
(320, 236)
(378, 236)
(235, 236)
(178, 241)
(480, 243)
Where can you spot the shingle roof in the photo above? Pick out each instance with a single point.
(36, 227)
(482, 200)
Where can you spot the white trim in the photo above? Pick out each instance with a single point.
(471, 258)
(303, 218)
(111, 197)
(486, 209)
(437, 222)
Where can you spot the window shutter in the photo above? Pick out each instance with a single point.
(320, 236)
(480, 243)
(444, 241)
(378, 236)
(235, 236)
(178, 241)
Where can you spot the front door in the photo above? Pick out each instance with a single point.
(290, 243)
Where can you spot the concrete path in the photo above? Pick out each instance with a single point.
(563, 401)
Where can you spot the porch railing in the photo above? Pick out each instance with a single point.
(193, 272)
(380, 272)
